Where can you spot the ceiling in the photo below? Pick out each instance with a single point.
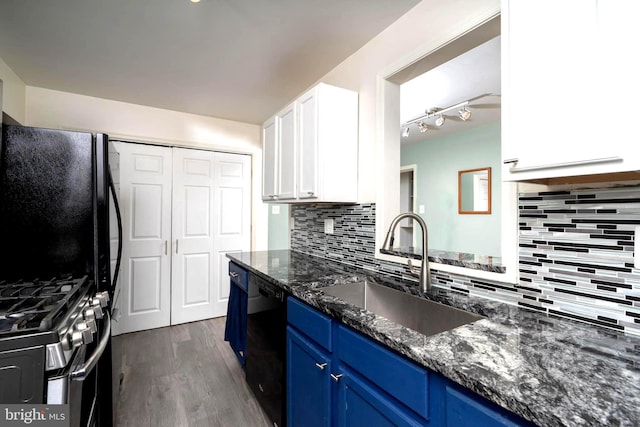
(237, 60)
(473, 75)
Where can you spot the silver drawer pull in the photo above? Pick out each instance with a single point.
(321, 366)
(336, 378)
(233, 274)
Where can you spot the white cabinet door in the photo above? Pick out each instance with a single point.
(548, 82)
(287, 134)
(308, 156)
(618, 67)
(569, 86)
(232, 219)
(192, 274)
(145, 203)
(270, 160)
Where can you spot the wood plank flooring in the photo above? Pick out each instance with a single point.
(184, 375)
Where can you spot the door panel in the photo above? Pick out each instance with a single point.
(146, 218)
(145, 202)
(192, 279)
(145, 299)
(196, 279)
(232, 227)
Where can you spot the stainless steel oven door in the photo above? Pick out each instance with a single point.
(77, 384)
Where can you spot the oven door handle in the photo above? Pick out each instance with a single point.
(89, 364)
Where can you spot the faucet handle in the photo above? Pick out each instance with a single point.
(413, 269)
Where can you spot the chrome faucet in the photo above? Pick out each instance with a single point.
(424, 274)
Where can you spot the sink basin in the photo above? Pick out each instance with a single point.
(421, 315)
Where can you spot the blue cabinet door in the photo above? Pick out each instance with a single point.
(457, 406)
(362, 405)
(308, 383)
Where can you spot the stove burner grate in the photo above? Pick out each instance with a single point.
(35, 305)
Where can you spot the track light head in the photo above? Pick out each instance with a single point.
(405, 132)
(423, 127)
(464, 113)
(440, 120)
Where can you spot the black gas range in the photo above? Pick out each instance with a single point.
(46, 328)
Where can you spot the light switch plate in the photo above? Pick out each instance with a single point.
(328, 225)
(421, 209)
(275, 210)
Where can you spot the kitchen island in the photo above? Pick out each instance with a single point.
(548, 370)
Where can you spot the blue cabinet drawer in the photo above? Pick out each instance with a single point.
(239, 276)
(403, 380)
(309, 321)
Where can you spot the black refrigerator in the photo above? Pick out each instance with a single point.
(55, 197)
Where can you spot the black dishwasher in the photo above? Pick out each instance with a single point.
(266, 350)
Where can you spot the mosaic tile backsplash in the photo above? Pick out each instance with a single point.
(575, 256)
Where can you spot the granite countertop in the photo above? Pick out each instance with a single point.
(549, 370)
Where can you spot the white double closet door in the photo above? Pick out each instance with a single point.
(183, 210)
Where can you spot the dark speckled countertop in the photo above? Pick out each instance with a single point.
(549, 370)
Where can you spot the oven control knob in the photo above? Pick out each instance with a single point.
(80, 337)
(97, 312)
(86, 335)
(93, 327)
(101, 299)
(93, 313)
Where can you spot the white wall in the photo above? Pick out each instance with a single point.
(13, 93)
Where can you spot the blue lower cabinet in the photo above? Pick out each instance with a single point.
(339, 377)
(361, 404)
(308, 382)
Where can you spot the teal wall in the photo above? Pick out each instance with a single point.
(279, 228)
(438, 162)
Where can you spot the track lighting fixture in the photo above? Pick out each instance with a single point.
(464, 113)
(438, 113)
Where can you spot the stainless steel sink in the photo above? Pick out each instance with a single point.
(421, 315)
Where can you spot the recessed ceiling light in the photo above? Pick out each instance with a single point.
(195, 1)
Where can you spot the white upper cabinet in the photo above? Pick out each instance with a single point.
(316, 146)
(568, 87)
(269, 159)
(288, 128)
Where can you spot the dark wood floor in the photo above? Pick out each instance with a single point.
(184, 375)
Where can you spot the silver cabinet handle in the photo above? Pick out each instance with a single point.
(336, 378)
(166, 247)
(321, 366)
(515, 168)
(89, 364)
(310, 193)
(176, 246)
(233, 274)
